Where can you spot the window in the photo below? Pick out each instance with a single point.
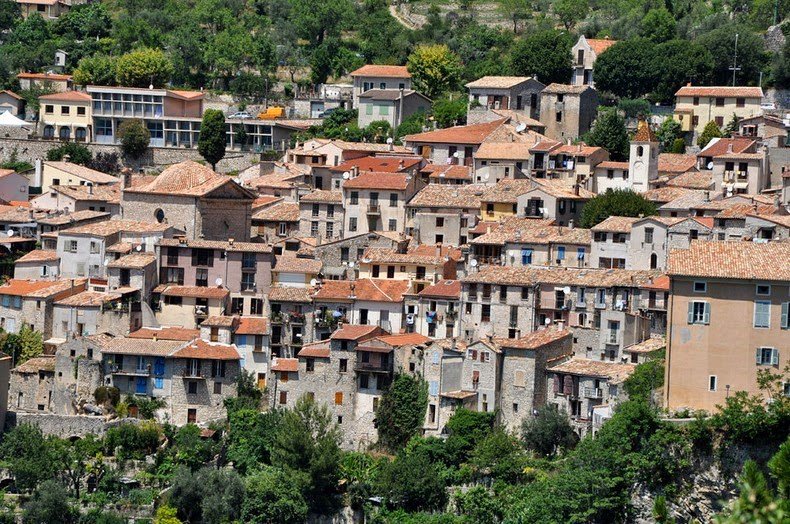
(65, 110)
(343, 367)
(610, 173)
(81, 111)
(719, 101)
(48, 109)
(354, 198)
(719, 121)
(248, 281)
(486, 313)
(524, 293)
(218, 388)
(314, 229)
(439, 221)
(310, 365)
(191, 416)
(699, 313)
(71, 246)
(338, 398)
(712, 383)
(256, 306)
(700, 287)
(695, 101)
(203, 257)
(526, 256)
(393, 199)
(762, 314)
(767, 356)
(393, 224)
(201, 277)
(648, 235)
(558, 116)
(364, 381)
(368, 109)
(192, 387)
(740, 102)
(503, 293)
(764, 290)
(330, 211)
(352, 223)
(519, 378)
(785, 321)
(330, 230)
(561, 253)
(283, 397)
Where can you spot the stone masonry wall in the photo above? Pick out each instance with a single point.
(65, 426)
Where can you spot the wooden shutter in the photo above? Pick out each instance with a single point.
(785, 315)
(706, 314)
(556, 384)
(774, 357)
(691, 312)
(758, 356)
(283, 397)
(338, 398)
(567, 386)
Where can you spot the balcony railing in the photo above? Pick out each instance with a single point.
(372, 367)
(613, 338)
(374, 209)
(593, 392)
(118, 370)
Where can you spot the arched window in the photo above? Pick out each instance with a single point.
(653, 261)
(80, 134)
(159, 215)
(64, 133)
(640, 151)
(49, 132)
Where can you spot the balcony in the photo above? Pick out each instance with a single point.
(374, 209)
(116, 370)
(613, 339)
(593, 392)
(660, 305)
(372, 367)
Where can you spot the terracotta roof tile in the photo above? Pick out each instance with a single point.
(45, 76)
(693, 180)
(498, 82)
(142, 346)
(535, 339)
(357, 332)
(91, 175)
(225, 245)
(469, 134)
(68, 96)
(566, 89)
(364, 289)
(292, 264)
(424, 254)
(105, 193)
(440, 196)
(647, 346)
(675, 162)
(36, 364)
(166, 333)
(381, 164)
(520, 230)
(450, 289)
(201, 349)
(742, 210)
(447, 172)
(404, 339)
(613, 165)
(192, 291)
(615, 372)
(599, 45)
(507, 190)
(616, 224)
(663, 195)
(38, 255)
(744, 260)
(40, 288)
(720, 91)
(88, 299)
(282, 212)
(323, 196)
(290, 365)
(187, 179)
(644, 133)
(133, 261)
(290, 294)
(722, 146)
(220, 321)
(382, 71)
(252, 326)
(376, 180)
(112, 227)
(782, 220)
(74, 217)
(526, 275)
(315, 349)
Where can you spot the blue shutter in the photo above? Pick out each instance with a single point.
(159, 366)
(561, 253)
(580, 253)
(159, 383)
(142, 386)
(434, 389)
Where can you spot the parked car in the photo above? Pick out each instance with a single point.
(767, 106)
(240, 114)
(327, 112)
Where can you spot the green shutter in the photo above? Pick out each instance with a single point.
(706, 314)
(758, 356)
(691, 312)
(774, 357)
(785, 315)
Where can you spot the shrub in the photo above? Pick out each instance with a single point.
(401, 412)
(105, 394)
(77, 153)
(620, 202)
(133, 440)
(549, 432)
(135, 137)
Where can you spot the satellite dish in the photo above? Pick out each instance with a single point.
(485, 177)
(547, 321)
(218, 282)
(313, 282)
(710, 165)
(139, 248)
(566, 289)
(473, 262)
(389, 140)
(346, 175)
(10, 232)
(106, 262)
(457, 154)
(521, 127)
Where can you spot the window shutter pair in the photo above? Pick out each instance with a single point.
(774, 357)
(567, 386)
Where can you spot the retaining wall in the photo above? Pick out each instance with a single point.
(65, 426)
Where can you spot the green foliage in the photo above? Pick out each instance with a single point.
(132, 440)
(378, 131)
(14, 163)
(570, 12)
(626, 68)
(251, 437)
(674, 64)
(434, 69)
(756, 502)
(480, 506)
(658, 25)
(466, 428)
(499, 455)
(143, 67)
(135, 137)
(549, 432)
(211, 144)
(359, 473)
(752, 57)
(248, 394)
(710, 132)
(633, 108)
(669, 131)
(274, 495)
(50, 503)
(212, 496)
(401, 412)
(609, 133)
(95, 70)
(22, 346)
(732, 126)
(28, 455)
(77, 153)
(621, 202)
(661, 512)
(545, 55)
(448, 112)
(308, 440)
(646, 378)
(412, 125)
(413, 482)
(166, 515)
(105, 162)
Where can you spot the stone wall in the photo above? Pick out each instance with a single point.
(155, 159)
(65, 426)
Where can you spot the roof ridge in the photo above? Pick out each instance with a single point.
(381, 290)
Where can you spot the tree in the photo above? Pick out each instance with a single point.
(77, 153)
(434, 69)
(571, 11)
(658, 25)
(135, 138)
(248, 395)
(678, 146)
(448, 112)
(9, 14)
(620, 202)
(646, 378)
(609, 133)
(710, 132)
(275, 496)
(142, 68)
(95, 70)
(479, 505)
(316, 21)
(633, 108)
(781, 67)
(210, 495)
(516, 10)
(50, 503)
(499, 455)
(668, 131)
(412, 125)
(732, 126)
(211, 144)
(105, 162)
(549, 432)
(626, 69)
(166, 514)
(401, 412)
(29, 456)
(545, 55)
(720, 42)
(78, 460)
(676, 63)
(240, 136)
(378, 131)
(308, 440)
(466, 428)
(413, 482)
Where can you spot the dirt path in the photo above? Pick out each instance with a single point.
(401, 20)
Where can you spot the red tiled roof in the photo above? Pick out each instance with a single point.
(68, 96)
(251, 326)
(44, 76)
(166, 333)
(744, 260)
(382, 164)
(188, 179)
(448, 172)
(285, 365)
(377, 180)
(599, 45)
(660, 283)
(357, 332)
(201, 349)
(281, 212)
(535, 339)
(382, 71)
(315, 349)
(469, 134)
(365, 289)
(443, 289)
(721, 91)
(722, 146)
(192, 291)
(644, 133)
(39, 255)
(39, 288)
(404, 339)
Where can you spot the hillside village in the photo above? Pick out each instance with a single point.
(542, 254)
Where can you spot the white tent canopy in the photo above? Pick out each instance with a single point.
(7, 119)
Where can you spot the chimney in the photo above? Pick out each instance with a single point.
(37, 177)
(154, 337)
(67, 158)
(570, 224)
(707, 196)
(400, 165)
(90, 189)
(729, 147)
(579, 147)
(230, 241)
(576, 189)
(126, 174)
(488, 230)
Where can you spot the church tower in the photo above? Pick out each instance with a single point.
(643, 157)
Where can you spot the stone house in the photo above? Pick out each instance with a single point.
(92, 312)
(339, 258)
(192, 197)
(291, 319)
(501, 200)
(295, 271)
(381, 77)
(31, 385)
(573, 163)
(243, 268)
(441, 215)
(37, 264)
(31, 302)
(763, 228)
(251, 338)
(51, 173)
(377, 201)
(321, 215)
(333, 177)
(559, 200)
(730, 223)
(390, 106)
(482, 373)
(517, 241)
(280, 220)
(318, 155)
(188, 306)
(770, 129)
(611, 243)
(695, 106)
(453, 145)
(517, 93)
(423, 265)
(522, 388)
(80, 198)
(680, 234)
(610, 175)
(434, 311)
(578, 385)
(49, 81)
(135, 271)
(493, 306)
(585, 52)
(568, 111)
(447, 174)
(366, 301)
(738, 165)
(644, 351)
(52, 223)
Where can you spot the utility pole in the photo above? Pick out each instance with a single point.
(735, 67)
